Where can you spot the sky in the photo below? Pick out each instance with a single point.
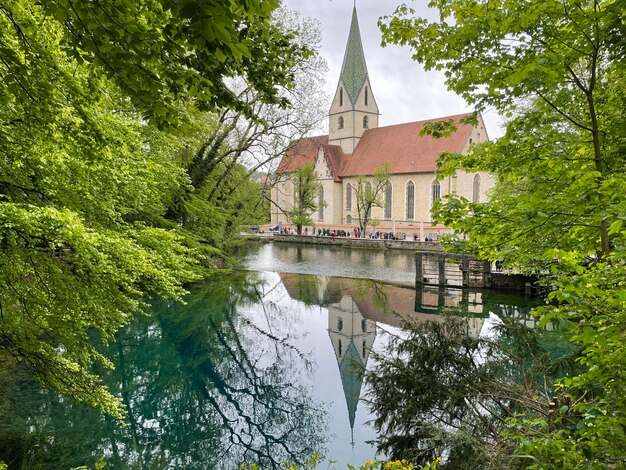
(391, 70)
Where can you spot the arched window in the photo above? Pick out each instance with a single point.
(320, 204)
(476, 188)
(340, 122)
(366, 96)
(366, 122)
(410, 201)
(435, 191)
(340, 348)
(339, 324)
(349, 219)
(349, 197)
(340, 96)
(388, 201)
(364, 325)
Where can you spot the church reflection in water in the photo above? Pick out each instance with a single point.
(358, 309)
(352, 337)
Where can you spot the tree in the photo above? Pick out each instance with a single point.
(160, 51)
(306, 189)
(229, 141)
(556, 70)
(551, 66)
(369, 193)
(97, 99)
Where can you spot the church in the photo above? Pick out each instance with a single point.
(356, 145)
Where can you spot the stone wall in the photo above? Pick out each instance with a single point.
(360, 242)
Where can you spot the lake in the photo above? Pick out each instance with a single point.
(262, 365)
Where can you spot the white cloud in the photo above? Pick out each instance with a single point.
(403, 90)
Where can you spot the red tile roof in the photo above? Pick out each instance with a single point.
(404, 148)
(300, 152)
(336, 160)
(305, 150)
(401, 145)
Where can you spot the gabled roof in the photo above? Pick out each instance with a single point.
(335, 159)
(305, 151)
(300, 152)
(403, 147)
(354, 70)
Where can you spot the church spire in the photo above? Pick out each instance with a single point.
(354, 70)
(354, 109)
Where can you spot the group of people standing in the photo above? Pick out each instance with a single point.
(356, 233)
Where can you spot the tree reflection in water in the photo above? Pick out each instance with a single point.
(204, 387)
(444, 390)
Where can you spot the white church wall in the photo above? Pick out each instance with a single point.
(324, 176)
(282, 199)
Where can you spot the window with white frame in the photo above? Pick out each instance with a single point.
(476, 188)
(320, 202)
(410, 201)
(388, 201)
(435, 191)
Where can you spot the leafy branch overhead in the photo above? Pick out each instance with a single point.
(160, 52)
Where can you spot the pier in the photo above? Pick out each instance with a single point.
(438, 268)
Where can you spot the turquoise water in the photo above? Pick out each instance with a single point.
(264, 365)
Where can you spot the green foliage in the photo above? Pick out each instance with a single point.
(161, 50)
(79, 228)
(223, 151)
(98, 112)
(369, 193)
(306, 190)
(549, 63)
(586, 423)
(556, 70)
(444, 390)
(315, 462)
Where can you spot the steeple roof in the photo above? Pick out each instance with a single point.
(351, 371)
(354, 70)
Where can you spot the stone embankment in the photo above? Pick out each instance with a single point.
(366, 243)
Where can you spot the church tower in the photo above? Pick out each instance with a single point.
(352, 337)
(353, 109)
